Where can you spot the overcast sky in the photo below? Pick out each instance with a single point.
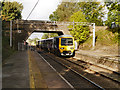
(41, 12)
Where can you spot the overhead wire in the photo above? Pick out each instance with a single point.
(32, 9)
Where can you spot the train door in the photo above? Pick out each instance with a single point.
(56, 45)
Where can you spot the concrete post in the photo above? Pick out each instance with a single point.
(11, 33)
(22, 46)
(18, 46)
(93, 35)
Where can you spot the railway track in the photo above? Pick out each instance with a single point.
(113, 75)
(83, 69)
(79, 79)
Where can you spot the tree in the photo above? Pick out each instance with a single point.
(113, 14)
(30, 41)
(54, 17)
(64, 11)
(93, 12)
(79, 32)
(49, 35)
(45, 36)
(53, 34)
(34, 40)
(78, 17)
(11, 10)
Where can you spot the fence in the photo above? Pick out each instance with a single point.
(22, 46)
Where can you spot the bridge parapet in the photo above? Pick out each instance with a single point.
(36, 25)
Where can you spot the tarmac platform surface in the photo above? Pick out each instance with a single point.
(15, 71)
(26, 69)
(47, 77)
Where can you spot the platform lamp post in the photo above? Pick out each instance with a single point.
(11, 33)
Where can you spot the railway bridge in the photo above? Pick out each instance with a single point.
(22, 29)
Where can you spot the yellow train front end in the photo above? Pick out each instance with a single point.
(66, 46)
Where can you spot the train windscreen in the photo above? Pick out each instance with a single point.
(66, 41)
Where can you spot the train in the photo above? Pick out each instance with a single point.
(61, 45)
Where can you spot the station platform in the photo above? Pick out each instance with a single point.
(15, 71)
(99, 54)
(106, 60)
(44, 76)
(26, 69)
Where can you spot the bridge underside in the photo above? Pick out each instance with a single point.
(22, 29)
(58, 32)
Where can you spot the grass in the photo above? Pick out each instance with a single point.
(103, 38)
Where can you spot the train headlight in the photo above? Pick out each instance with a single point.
(62, 48)
(72, 48)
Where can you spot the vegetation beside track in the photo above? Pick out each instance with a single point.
(105, 40)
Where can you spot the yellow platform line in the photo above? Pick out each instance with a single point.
(36, 79)
(32, 84)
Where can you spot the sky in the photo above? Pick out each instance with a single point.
(41, 12)
(36, 35)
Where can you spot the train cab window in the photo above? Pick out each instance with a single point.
(66, 41)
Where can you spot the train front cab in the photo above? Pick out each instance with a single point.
(65, 46)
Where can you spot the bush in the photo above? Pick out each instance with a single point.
(80, 33)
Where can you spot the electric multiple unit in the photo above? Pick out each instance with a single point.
(61, 45)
